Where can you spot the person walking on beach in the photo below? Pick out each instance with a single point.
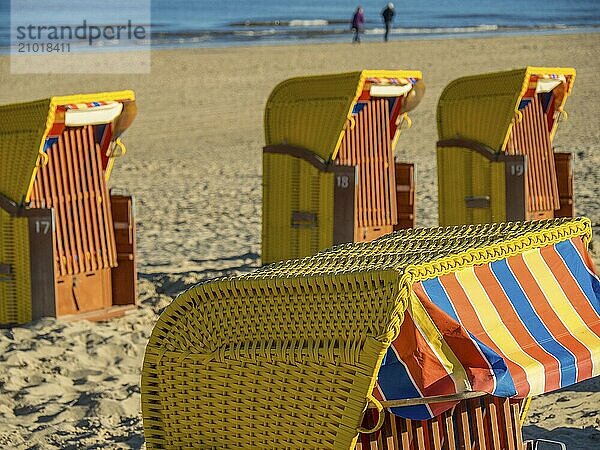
(388, 16)
(358, 22)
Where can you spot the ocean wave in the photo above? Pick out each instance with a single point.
(438, 30)
(314, 30)
(318, 31)
(289, 23)
(308, 23)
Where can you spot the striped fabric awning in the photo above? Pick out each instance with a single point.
(516, 327)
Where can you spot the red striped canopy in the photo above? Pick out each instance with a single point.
(516, 327)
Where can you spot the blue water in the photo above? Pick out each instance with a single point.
(184, 23)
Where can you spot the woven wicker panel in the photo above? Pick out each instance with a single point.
(293, 185)
(262, 365)
(21, 129)
(15, 288)
(485, 179)
(429, 252)
(286, 356)
(310, 112)
(452, 163)
(481, 107)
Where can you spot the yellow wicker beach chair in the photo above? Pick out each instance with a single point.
(287, 357)
(495, 156)
(329, 174)
(65, 243)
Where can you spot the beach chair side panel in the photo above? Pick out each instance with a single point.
(15, 277)
(471, 187)
(293, 371)
(298, 211)
(564, 175)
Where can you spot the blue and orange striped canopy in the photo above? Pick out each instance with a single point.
(515, 327)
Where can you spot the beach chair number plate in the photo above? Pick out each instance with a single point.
(43, 226)
(343, 181)
(517, 169)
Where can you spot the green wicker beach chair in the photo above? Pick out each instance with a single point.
(495, 157)
(67, 247)
(288, 356)
(329, 171)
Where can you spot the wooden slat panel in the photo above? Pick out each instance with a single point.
(564, 175)
(97, 181)
(369, 147)
(391, 166)
(487, 423)
(516, 425)
(378, 165)
(106, 210)
(78, 213)
(407, 434)
(480, 425)
(84, 190)
(493, 439)
(394, 437)
(369, 165)
(72, 183)
(436, 433)
(548, 154)
(63, 184)
(70, 205)
(508, 424)
(57, 198)
(421, 441)
(464, 431)
(99, 253)
(531, 137)
(450, 441)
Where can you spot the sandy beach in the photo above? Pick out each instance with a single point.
(194, 165)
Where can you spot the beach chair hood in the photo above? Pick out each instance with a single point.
(483, 108)
(312, 112)
(293, 352)
(27, 130)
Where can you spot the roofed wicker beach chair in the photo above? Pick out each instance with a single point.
(67, 246)
(495, 155)
(329, 174)
(448, 329)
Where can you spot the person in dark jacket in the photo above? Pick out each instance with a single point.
(358, 22)
(388, 16)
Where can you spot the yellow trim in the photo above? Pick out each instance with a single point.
(380, 418)
(113, 155)
(525, 410)
(57, 101)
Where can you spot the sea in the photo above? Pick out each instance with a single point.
(203, 23)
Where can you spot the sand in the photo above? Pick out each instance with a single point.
(194, 164)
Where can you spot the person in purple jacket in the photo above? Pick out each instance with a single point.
(358, 22)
